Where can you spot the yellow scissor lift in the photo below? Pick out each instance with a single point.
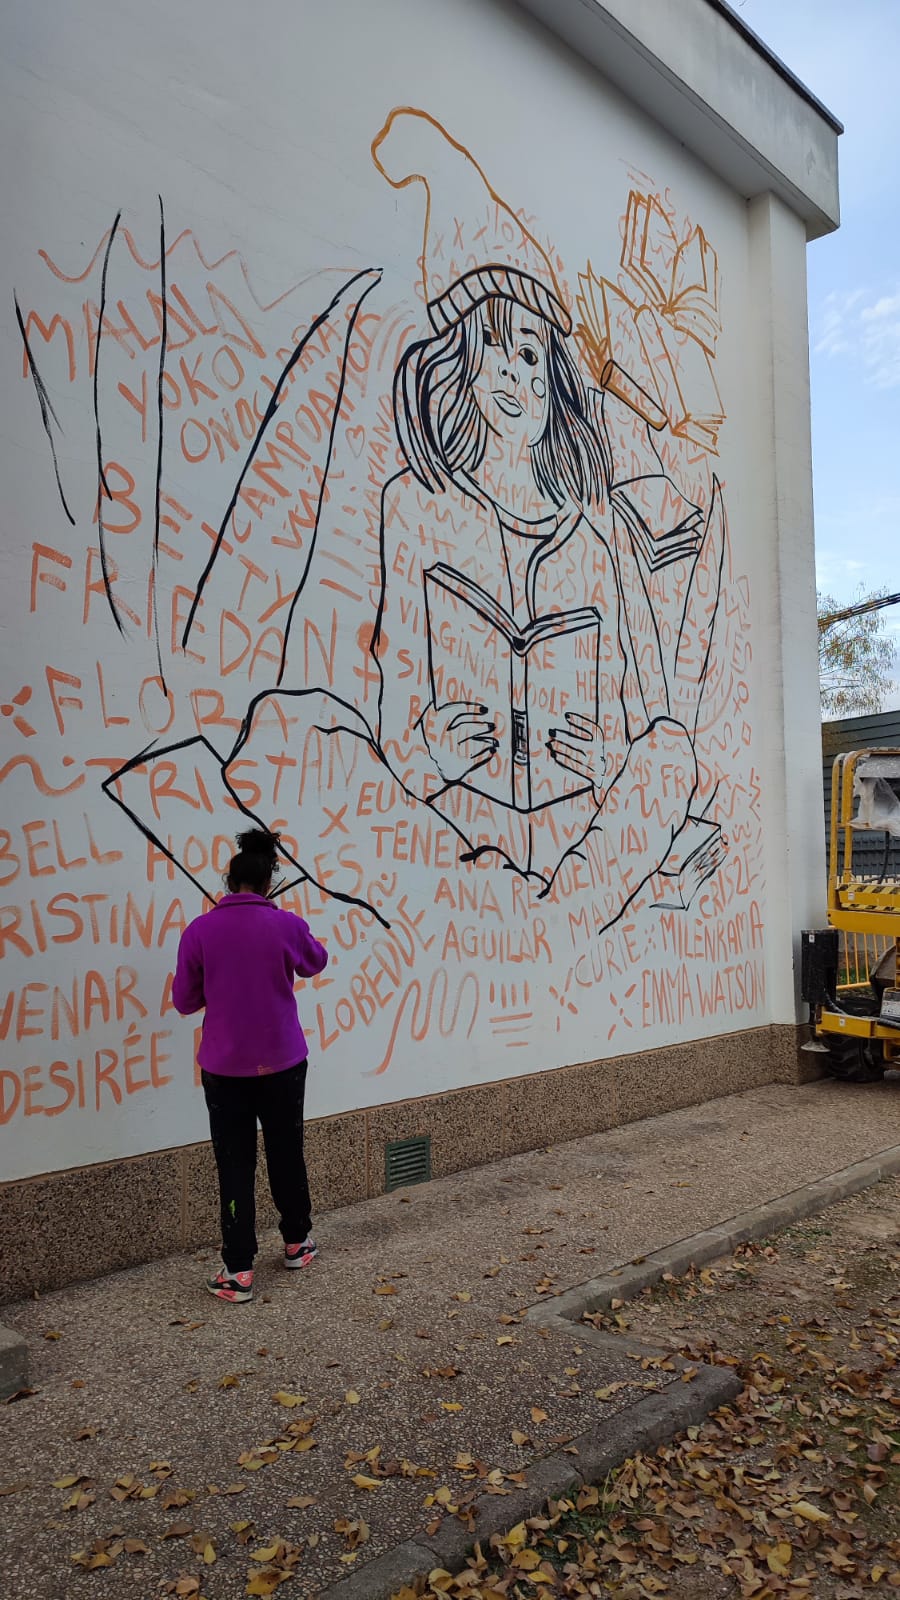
(855, 1006)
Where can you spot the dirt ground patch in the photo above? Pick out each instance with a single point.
(792, 1491)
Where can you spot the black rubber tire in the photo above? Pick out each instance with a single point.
(855, 1060)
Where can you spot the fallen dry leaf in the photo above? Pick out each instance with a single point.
(267, 1553)
(173, 1499)
(265, 1581)
(79, 1501)
(355, 1532)
(809, 1513)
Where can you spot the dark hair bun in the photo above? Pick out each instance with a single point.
(259, 842)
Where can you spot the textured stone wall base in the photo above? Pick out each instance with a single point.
(64, 1226)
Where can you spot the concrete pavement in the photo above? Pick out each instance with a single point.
(409, 1343)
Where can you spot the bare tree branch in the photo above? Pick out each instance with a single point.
(855, 654)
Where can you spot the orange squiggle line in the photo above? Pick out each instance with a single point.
(152, 265)
(422, 1004)
(40, 782)
(398, 332)
(149, 266)
(412, 993)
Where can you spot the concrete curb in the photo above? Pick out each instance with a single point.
(642, 1426)
(597, 1294)
(650, 1422)
(13, 1362)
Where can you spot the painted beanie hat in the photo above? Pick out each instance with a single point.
(474, 246)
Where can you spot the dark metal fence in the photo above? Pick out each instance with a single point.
(859, 952)
(860, 733)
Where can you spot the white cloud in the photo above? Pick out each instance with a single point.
(837, 574)
(837, 331)
(880, 325)
(887, 306)
(867, 332)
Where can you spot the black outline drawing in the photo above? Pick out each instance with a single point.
(515, 747)
(163, 341)
(443, 432)
(345, 292)
(102, 485)
(46, 405)
(150, 751)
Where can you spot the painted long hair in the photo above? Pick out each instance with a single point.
(443, 432)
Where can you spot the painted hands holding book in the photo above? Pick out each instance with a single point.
(581, 748)
(460, 738)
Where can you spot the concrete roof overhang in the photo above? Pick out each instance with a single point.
(710, 82)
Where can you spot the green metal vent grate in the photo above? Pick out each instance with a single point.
(407, 1161)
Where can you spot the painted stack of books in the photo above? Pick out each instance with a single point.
(664, 526)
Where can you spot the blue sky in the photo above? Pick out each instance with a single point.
(847, 54)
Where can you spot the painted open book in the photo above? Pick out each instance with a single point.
(527, 678)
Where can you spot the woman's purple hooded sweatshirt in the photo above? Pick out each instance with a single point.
(240, 961)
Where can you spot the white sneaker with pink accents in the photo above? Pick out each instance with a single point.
(234, 1286)
(300, 1255)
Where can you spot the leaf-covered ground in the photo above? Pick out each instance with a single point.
(169, 1444)
(795, 1490)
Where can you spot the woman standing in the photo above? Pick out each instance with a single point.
(239, 961)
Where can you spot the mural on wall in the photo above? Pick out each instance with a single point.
(439, 587)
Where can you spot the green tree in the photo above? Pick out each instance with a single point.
(855, 654)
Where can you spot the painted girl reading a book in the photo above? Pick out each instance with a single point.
(522, 686)
(522, 691)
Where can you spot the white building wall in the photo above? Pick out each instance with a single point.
(795, 828)
(244, 146)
